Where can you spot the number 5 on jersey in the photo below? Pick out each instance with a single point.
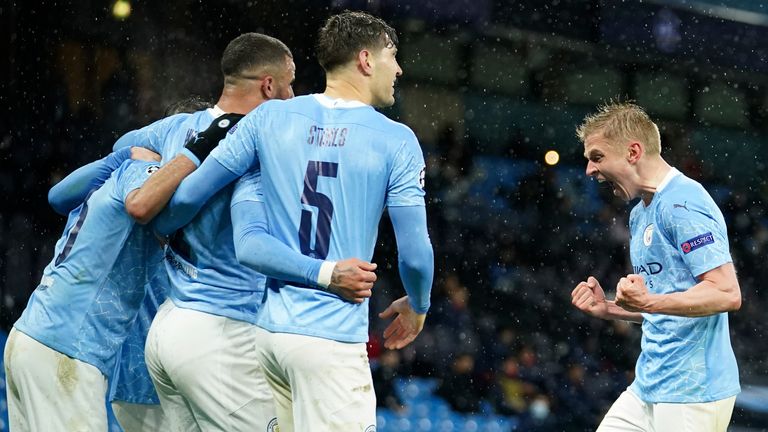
(311, 197)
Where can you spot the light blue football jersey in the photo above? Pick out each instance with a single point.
(91, 291)
(328, 170)
(680, 236)
(131, 381)
(200, 259)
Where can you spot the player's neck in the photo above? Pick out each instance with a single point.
(239, 100)
(342, 87)
(651, 174)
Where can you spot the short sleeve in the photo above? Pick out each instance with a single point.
(406, 181)
(152, 136)
(697, 229)
(132, 175)
(237, 152)
(248, 188)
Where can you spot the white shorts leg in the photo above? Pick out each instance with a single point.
(140, 417)
(48, 391)
(694, 417)
(627, 414)
(206, 372)
(328, 384)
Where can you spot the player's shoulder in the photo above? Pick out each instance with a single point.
(686, 193)
(297, 103)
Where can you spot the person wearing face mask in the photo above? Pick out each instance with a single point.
(682, 286)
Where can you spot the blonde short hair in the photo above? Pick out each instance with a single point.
(622, 121)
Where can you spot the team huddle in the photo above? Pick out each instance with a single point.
(214, 270)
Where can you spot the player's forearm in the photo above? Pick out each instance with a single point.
(415, 255)
(259, 250)
(703, 299)
(72, 190)
(615, 312)
(193, 192)
(153, 196)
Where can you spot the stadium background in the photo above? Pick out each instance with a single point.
(489, 87)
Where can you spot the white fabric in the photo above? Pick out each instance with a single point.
(630, 414)
(48, 391)
(319, 384)
(206, 373)
(325, 273)
(140, 417)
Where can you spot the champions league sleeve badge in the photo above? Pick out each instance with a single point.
(152, 168)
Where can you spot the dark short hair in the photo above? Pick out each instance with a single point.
(345, 34)
(251, 51)
(187, 105)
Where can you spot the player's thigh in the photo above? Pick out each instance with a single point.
(153, 345)
(627, 414)
(51, 391)
(693, 417)
(211, 361)
(140, 417)
(331, 384)
(275, 377)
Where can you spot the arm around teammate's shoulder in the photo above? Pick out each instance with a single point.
(193, 192)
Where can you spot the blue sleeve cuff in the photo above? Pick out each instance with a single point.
(191, 156)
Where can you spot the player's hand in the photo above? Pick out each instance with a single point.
(589, 297)
(632, 294)
(142, 154)
(406, 325)
(204, 142)
(353, 279)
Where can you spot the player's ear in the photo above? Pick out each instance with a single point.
(365, 62)
(635, 151)
(268, 87)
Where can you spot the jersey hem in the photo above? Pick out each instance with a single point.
(67, 351)
(304, 331)
(212, 310)
(698, 399)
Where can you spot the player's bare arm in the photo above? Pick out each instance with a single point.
(145, 203)
(157, 191)
(589, 297)
(353, 279)
(143, 154)
(717, 291)
(406, 325)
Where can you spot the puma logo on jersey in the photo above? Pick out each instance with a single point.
(683, 205)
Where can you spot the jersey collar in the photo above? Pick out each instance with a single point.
(216, 111)
(337, 103)
(667, 178)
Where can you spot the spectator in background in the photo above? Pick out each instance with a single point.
(384, 375)
(459, 386)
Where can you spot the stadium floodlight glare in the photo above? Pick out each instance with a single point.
(121, 9)
(551, 157)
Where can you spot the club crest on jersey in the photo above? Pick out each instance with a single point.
(648, 235)
(272, 426)
(152, 168)
(697, 242)
(223, 123)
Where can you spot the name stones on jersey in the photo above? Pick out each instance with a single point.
(327, 136)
